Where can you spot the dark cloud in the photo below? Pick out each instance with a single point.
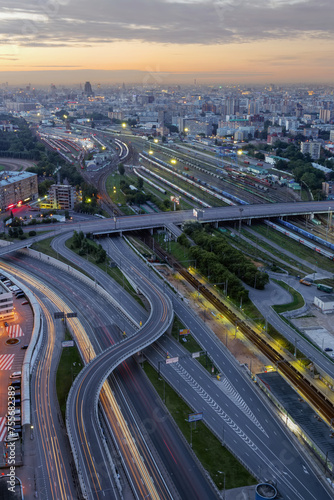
(76, 22)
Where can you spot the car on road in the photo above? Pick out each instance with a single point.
(328, 349)
(15, 375)
(24, 302)
(25, 346)
(5, 323)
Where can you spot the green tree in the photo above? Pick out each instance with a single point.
(140, 182)
(121, 169)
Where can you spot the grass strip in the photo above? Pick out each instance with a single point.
(70, 364)
(274, 251)
(297, 299)
(297, 248)
(215, 458)
(44, 246)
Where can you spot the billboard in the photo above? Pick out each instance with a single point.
(195, 354)
(58, 315)
(172, 360)
(67, 343)
(184, 331)
(193, 417)
(72, 315)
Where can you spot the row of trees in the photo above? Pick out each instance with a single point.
(85, 246)
(217, 258)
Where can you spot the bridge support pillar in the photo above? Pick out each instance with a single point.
(151, 231)
(216, 225)
(249, 222)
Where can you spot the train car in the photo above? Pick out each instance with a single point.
(311, 236)
(295, 237)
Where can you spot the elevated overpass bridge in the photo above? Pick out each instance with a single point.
(215, 215)
(163, 219)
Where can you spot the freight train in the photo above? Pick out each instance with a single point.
(297, 238)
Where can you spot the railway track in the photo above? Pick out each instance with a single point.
(100, 182)
(309, 392)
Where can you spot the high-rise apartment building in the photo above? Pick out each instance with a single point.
(312, 148)
(88, 89)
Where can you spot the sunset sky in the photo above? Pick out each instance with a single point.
(158, 41)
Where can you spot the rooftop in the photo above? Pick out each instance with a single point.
(302, 414)
(7, 177)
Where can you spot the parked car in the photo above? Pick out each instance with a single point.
(328, 349)
(25, 346)
(15, 375)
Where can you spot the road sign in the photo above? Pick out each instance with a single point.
(184, 331)
(172, 360)
(195, 354)
(58, 315)
(72, 315)
(193, 417)
(67, 343)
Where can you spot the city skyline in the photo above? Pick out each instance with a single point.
(178, 41)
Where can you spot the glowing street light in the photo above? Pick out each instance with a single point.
(173, 161)
(150, 152)
(156, 140)
(124, 125)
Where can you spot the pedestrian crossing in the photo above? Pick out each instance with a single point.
(6, 361)
(14, 331)
(3, 429)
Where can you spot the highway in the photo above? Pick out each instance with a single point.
(250, 429)
(82, 406)
(181, 466)
(97, 317)
(284, 448)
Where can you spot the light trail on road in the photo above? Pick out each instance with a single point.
(50, 449)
